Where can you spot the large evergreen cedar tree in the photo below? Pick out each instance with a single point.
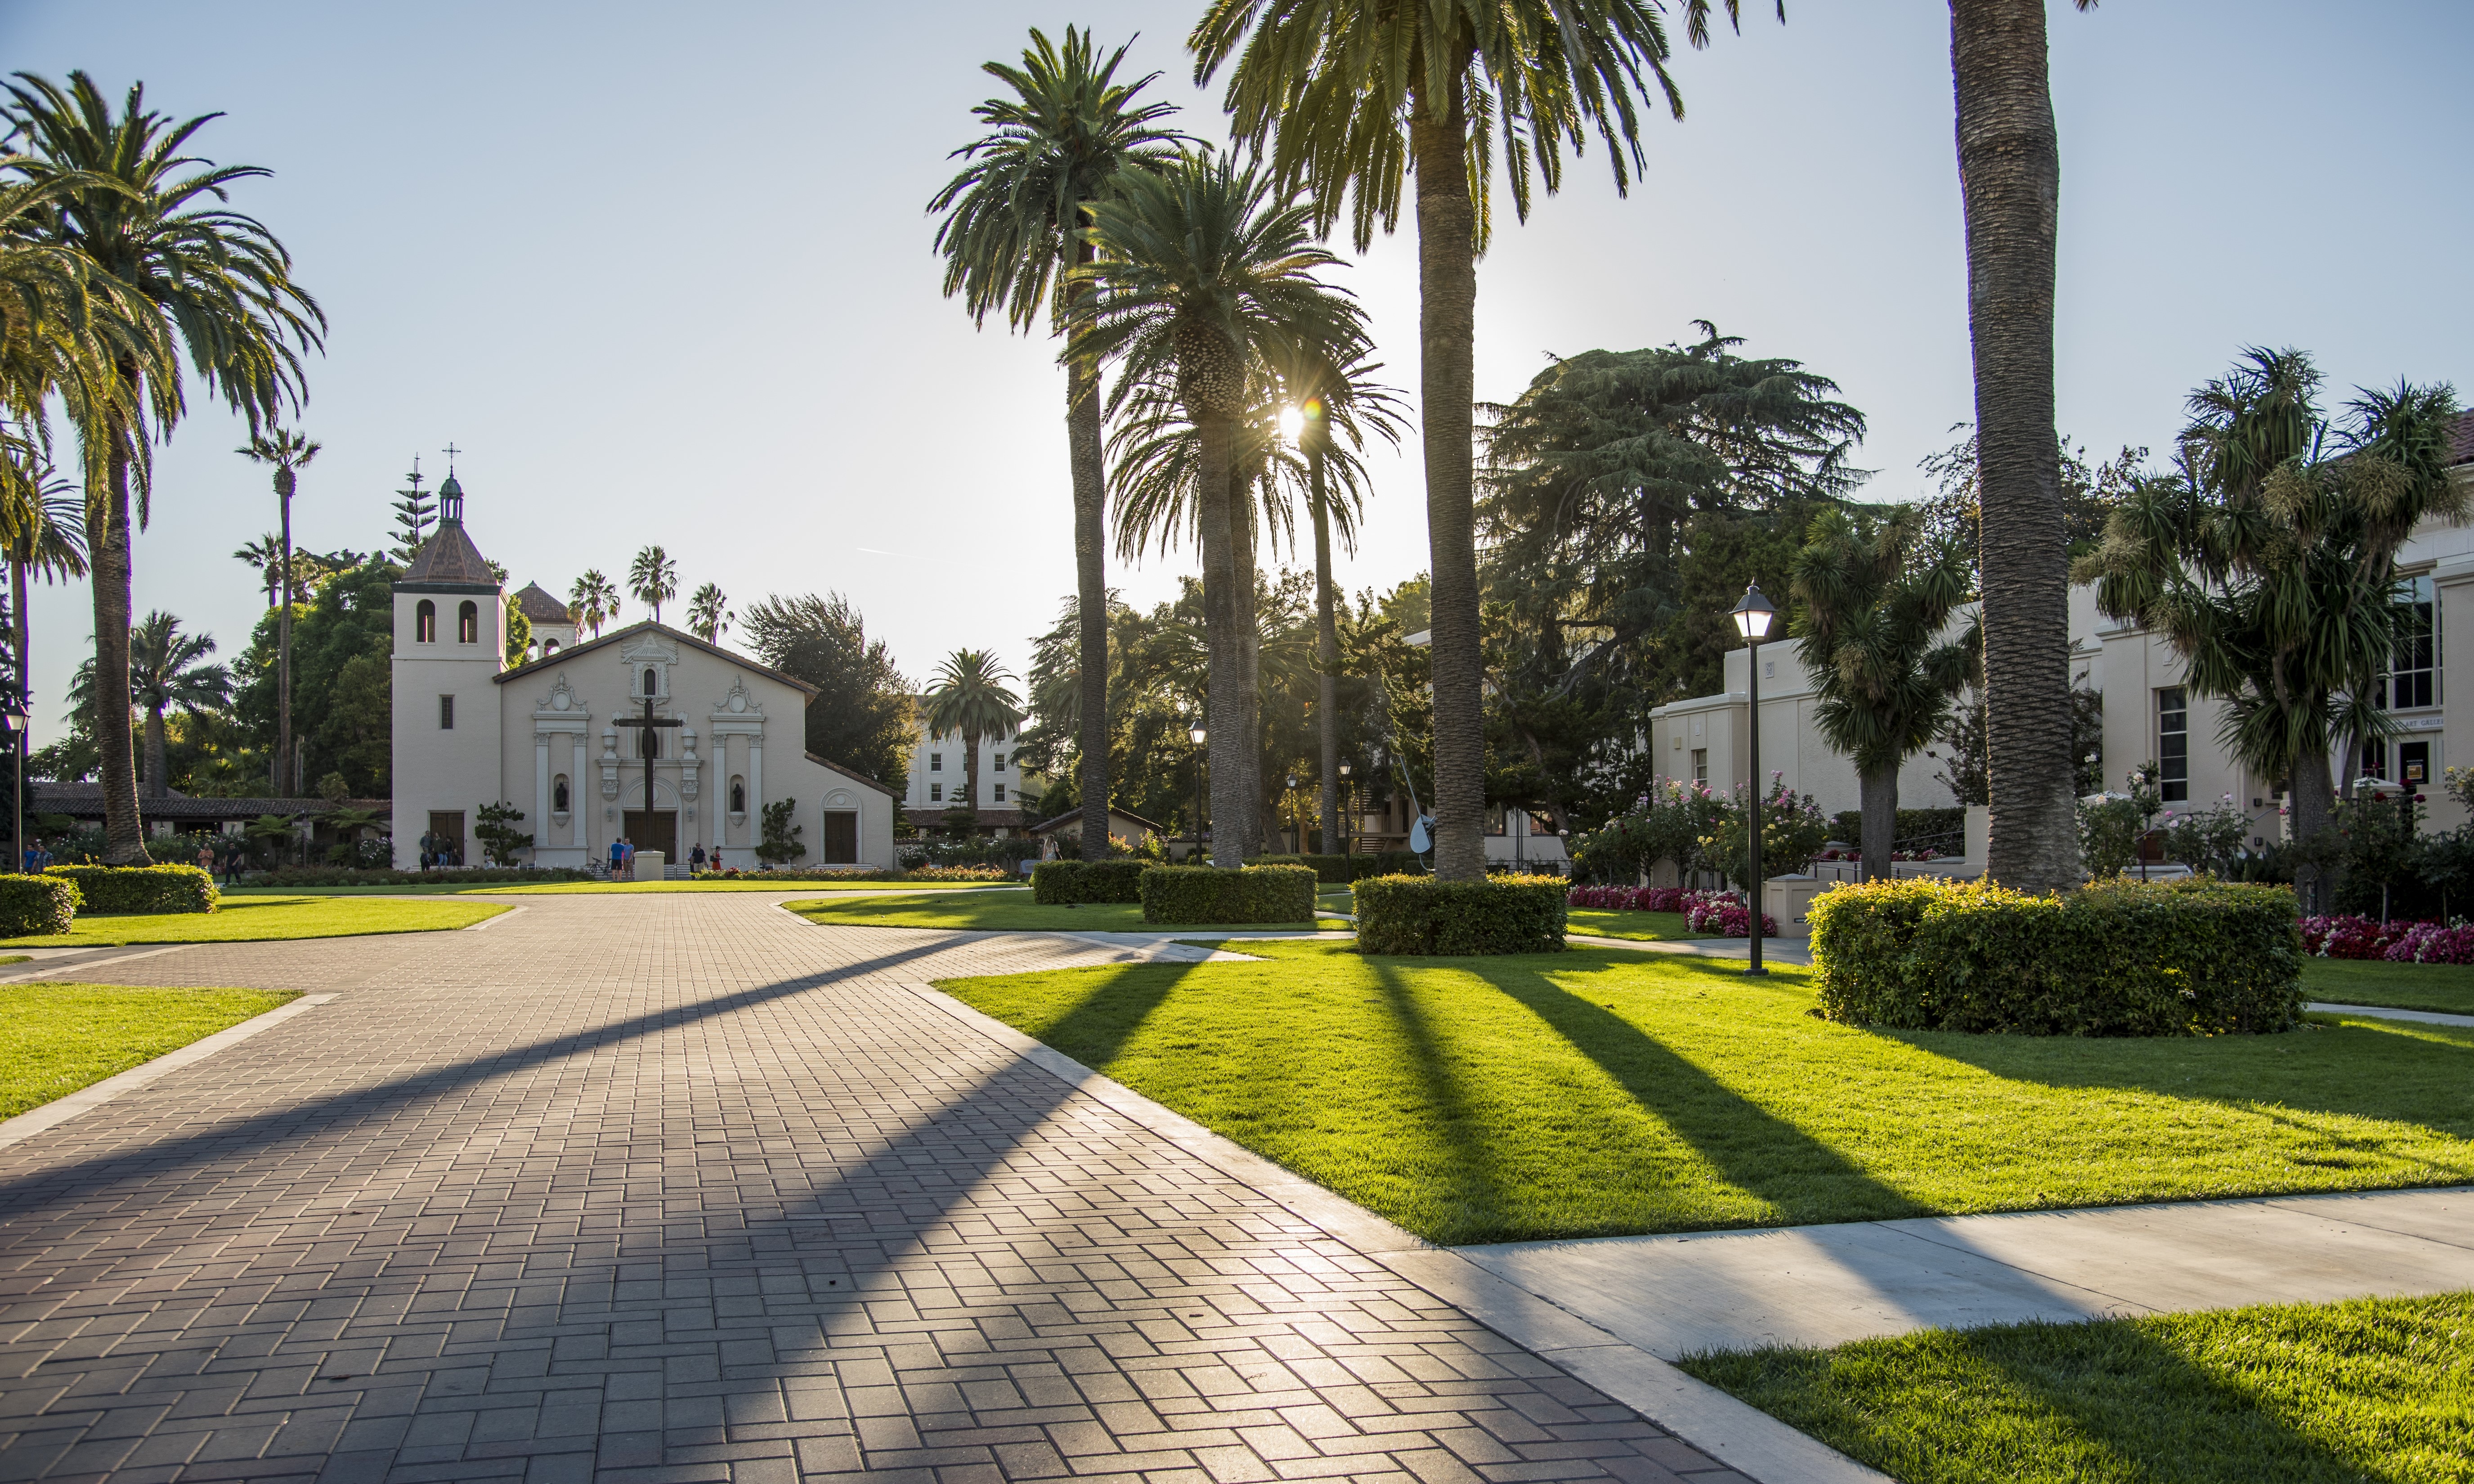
(1204, 273)
(1013, 231)
(1871, 601)
(861, 718)
(1350, 98)
(147, 223)
(969, 698)
(288, 451)
(2272, 568)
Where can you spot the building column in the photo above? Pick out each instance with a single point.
(755, 790)
(576, 793)
(541, 790)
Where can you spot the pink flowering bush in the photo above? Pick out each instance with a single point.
(2429, 943)
(1724, 914)
(2354, 937)
(1630, 899)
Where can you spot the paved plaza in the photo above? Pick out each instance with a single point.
(671, 1187)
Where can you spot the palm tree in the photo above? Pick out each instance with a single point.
(1012, 230)
(654, 580)
(2009, 170)
(1871, 605)
(167, 668)
(970, 699)
(1349, 98)
(709, 613)
(44, 535)
(182, 272)
(593, 602)
(287, 450)
(265, 556)
(1202, 276)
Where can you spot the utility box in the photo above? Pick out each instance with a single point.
(1787, 899)
(648, 865)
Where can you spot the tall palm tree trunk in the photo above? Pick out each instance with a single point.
(124, 834)
(156, 754)
(1241, 531)
(971, 777)
(1877, 794)
(1225, 709)
(2010, 165)
(1091, 585)
(22, 636)
(1327, 658)
(1447, 381)
(283, 655)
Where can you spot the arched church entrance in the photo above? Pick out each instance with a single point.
(652, 830)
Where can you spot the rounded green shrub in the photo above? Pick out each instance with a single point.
(37, 906)
(1055, 883)
(1188, 894)
(1419, 915)
(140, 888)
(2193, 957)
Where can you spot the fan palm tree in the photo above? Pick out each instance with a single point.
(654, 579)
(43, 534)
(1871, 602)
(709, 613)
(167, 669)
(265, 556)
(287, 450)
(969, 698)
(1204, 273)
(1012, 230)
(592, 601)
(2009, 170)
(1349, 98)
(189, 275)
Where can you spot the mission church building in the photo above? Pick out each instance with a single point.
(547, 735)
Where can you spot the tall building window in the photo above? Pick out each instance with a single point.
(2174, 743)
(936, 793)
(1700, 765)
(424, 622)
(999, 760)
(2413, 681)
(1000, 798)
(446, 713)
(468, 624)
(935, 762)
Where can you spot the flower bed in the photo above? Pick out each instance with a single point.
(1628, 899)
(1725, 915)
(2429, 943)
(2357, 937)
(1722, 913)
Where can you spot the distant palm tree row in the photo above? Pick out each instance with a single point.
(1198, 274)
(652, 579)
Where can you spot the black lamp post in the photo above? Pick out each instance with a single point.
(1347, 824)
(1198, 734)
(17, 714)
(1297, 811)
(1753, 617)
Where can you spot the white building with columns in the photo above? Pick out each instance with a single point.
(544, 735)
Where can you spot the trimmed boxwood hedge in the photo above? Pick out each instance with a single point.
(1208, 894)
(460, 876)
(1499, 915)
(1057, 883)
(140, 888)
(1342, 870)
(2193, 957)
(37, 906)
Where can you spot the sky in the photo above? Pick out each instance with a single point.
(665, 274)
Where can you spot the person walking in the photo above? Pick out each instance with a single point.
(205, 857)
(695, 860)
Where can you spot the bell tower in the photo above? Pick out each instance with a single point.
(450, 645)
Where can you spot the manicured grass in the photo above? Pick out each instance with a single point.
(256, 918)
(1599, 1091)
(1013, 912)
(2447, 988)
(2299, 1393)
(63, 1037)
(555, 888)
(1645, 926)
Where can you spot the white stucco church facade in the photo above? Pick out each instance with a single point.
(543, 735)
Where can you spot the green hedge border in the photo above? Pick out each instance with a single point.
(140, 889)
(1057, 883)
(37, 906)
(1197, 895)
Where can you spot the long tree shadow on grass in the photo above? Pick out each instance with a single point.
(1472, 1203)
(1101, 1023)
(1753, 1149)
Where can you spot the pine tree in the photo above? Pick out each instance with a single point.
(415, 513)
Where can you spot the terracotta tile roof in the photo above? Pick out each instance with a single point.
(2461, 444)
(84, 801)
(449, 557)
(542, 607)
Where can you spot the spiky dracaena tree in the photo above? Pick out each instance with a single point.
(187, 275)
(1349, 98)
(968, 698)
(2271, 571)
(1013, 231)
(1205, 273)
(1873, 603)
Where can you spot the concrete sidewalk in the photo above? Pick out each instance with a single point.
(1828, 1284)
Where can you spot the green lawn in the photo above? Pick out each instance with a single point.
(255, 919)
(1599, 1091)
(554, 888)
(2374, 1389)
(1645, 926)
(63, 1037)
(1013, 912)
(2447, 988)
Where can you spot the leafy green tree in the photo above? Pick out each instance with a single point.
(778, 844)
(969, 698)
(288, 451)
(1202, 275)
(1012, 233)
(653, 578)
(860, 717)
(191, 272)
(1873, 601)
(2269, 568)
(497, 833)
(341, 640)
(709, 613)
(592, 601)
(167, 669)
(1351, 96)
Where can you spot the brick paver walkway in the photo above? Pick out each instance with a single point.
(658, 1187)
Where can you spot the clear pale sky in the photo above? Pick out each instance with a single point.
(665, 272)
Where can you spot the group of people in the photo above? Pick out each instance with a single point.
(439, 852)
(39, 857)
(623, 858)
(220, 855)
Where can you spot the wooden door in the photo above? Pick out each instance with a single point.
(654, 830)
(842, 837)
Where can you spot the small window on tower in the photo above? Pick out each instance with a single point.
(468, 624)
(652, 681)
(446, 713)
(550, 647)
(424, 623)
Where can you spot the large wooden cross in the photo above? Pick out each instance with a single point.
(647, 723)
